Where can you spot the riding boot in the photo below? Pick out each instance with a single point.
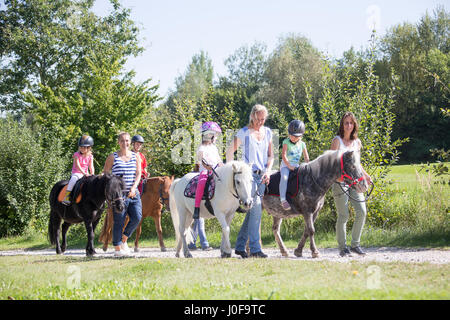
(196, 213)
(66, 200)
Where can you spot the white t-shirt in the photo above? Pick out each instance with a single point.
(210, 154)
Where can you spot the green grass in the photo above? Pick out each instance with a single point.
(217, 279)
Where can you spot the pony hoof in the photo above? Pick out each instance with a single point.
(285, 254)
(105, 249)
(315, 254)
(177, 255)
(163, 249)
(225, 255)
(136, 249)
(298, 253)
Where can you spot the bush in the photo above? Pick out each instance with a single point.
(27, 174)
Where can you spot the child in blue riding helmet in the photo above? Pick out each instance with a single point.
(293, 148)
(83, 163)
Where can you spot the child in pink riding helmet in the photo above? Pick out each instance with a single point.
(83, 163)
(207, 159)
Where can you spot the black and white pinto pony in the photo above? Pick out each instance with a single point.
(313, 181)
(94, 190)
(233, 187)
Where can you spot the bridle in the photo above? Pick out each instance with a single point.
(161, 197)
(346, 175)
(353, 182)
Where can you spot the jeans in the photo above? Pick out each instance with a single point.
(133, 207)
(250, 226)
(341, 200)
(198, 230)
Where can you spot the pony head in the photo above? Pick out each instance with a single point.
(352, 171)
(242, 183)
(114, 192)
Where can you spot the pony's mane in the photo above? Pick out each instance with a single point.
(326, 154)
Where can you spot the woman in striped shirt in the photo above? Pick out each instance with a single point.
(125, 163)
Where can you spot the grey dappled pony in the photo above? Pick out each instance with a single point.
(314, 180)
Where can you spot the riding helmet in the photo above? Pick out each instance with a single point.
(137, 138)
(296, 128)
(211, 126)
(85, 141)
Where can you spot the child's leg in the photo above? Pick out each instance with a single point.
(73, 179)
(283, 187)
(284, 175)
(199, 192)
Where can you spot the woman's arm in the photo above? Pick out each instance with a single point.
(108, 164)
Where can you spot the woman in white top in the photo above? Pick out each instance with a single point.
(347, 140)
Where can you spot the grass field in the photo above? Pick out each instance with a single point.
(55, 277)
(59, 277)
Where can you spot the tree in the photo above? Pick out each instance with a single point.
(419, 56)
(196, 81)
(47, 43)
(293, 63)
(104, 105)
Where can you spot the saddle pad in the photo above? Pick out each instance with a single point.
(273, 189)
(62, 194)
(208, 193)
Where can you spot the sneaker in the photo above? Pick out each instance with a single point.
(243, 254)
(285, 205)
(121, 253)
(358, 250)
(192, 247)
(345, 252)
(258, 254)
(124, 247)
(208, 248)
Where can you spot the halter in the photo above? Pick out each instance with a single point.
(161, 197)
(346, 175)
(354, 181)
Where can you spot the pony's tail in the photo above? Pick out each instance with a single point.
(174, 211)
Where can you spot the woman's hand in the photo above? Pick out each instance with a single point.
(265, 178)
(132, 192)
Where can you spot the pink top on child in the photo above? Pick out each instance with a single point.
(84, 162)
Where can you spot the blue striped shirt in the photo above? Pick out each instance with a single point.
(125, 169)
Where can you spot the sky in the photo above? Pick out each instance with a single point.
(172, 31)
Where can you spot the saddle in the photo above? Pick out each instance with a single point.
(208, 192)
(273, 189)
(76, 193)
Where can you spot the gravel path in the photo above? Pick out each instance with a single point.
(381, 254)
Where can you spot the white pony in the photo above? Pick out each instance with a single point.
(233, 187)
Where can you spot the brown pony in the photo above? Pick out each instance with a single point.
(156, 193)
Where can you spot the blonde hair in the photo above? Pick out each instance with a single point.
(123, 133)
(257, 108)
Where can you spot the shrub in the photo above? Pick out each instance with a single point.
(27, 174)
